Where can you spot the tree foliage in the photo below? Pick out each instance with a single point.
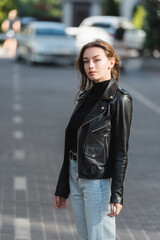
(5, 7)
(39, 8)
(139, 16)
(35, 8)
(111, 7)
(152, 24)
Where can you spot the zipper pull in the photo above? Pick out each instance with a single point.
(77, 176)
(105, 135)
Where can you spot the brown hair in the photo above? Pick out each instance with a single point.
(86, 83)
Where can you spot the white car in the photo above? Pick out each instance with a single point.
(88, 34)
(46, 42)
(84, 35)
(133, 38)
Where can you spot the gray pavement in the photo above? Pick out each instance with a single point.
(35, 104)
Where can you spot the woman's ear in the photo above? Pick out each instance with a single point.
(111, 62)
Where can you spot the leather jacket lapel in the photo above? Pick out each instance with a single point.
(111, 90)
(101, 105)
(97, 110)
(81, 101)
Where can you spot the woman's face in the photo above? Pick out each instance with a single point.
(96, 64)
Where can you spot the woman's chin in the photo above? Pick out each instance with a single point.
(94, 79)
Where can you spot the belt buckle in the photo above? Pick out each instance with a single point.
(74, 156)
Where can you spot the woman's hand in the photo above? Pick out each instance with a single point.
(115, 209)
(60, 202)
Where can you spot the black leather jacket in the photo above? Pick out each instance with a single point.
(102, 142)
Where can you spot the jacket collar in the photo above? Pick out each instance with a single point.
(110, 91)
(108, 94)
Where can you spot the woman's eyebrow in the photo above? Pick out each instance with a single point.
(92, 57)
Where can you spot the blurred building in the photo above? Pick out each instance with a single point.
(74, 11)
(126, 7)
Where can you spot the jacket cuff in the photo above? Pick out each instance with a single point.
(62, 191)
(116, 199)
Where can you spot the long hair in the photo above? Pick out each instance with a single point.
(86, 83)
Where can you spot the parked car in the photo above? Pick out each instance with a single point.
(25, 21)
(133, 38)
(46, 42)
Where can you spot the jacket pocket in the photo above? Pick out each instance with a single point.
(94, 155)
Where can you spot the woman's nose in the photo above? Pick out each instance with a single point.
(91, 65)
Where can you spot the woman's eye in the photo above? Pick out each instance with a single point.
(85, 61)
(97, 60)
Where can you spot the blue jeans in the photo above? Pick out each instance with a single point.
(91, 204)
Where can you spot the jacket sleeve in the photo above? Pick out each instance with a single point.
(121, 121)
(62, 188)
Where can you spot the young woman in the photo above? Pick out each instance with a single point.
(96, 145)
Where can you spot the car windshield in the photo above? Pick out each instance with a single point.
(102, 25)
(50, 32)
(106, 26)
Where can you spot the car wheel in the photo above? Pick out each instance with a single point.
(29, 58)
(18, 58)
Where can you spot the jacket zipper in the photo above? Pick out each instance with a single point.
(106, 147)
(77, 174)
(97, 129)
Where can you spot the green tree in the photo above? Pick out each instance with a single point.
(36, 8)
(5, 7)
(152, 24)
(39, 8)
(139, 16)
(111, 7)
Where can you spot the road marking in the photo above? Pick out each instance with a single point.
(62, 228)
(71, 228)
(142, 99)
(16, 69)
(17, 134)
(19, 154)
(20, 183)
(118, 237)
(145, 234)
(17, 107)
(22, 229)
(17, 119)
(129, 232)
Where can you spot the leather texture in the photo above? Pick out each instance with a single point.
(102, 142)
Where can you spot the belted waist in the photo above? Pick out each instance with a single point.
(73, 156)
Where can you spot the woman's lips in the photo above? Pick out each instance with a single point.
(92, 72)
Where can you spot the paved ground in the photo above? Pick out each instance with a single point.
(35, 104)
